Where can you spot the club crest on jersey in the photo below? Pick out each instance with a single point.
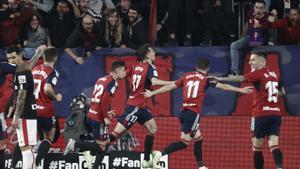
(22, 79)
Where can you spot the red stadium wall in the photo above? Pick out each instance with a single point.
(226, 142)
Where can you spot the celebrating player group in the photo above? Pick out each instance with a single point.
(33, 110)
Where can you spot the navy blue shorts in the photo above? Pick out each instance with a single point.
(45, 124)
(265, 126)
(189, 122)
(134, 114)
(99, 130)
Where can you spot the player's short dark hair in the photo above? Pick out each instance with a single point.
(14, 48)
(143, 50)
(259, 1)
(116, 65)
(50, 54)
(260, 54)
(203, 64)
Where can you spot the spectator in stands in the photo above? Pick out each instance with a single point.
(123, 9)
(181, 29)
(113, 32)
(97, 6)
(255, 34)
(219, 22)
(12, 19)
(136, 32)
(162, 20)
(33, 34)
(42, 5)
(60, 23)
(289, 27)
(86, 34)
(81, 7)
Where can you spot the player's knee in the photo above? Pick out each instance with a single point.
(255, 148)
(198, 138)
(257, 144)
(273, 142)
(186, 142)
(152, 130)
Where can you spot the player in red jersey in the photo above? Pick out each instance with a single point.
(99, 113)
(45, 79)
(194, 86)
(266, 119)
(142, 74)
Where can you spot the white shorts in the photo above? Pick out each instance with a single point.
(27, 132)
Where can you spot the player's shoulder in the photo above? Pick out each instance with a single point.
(104, 79)
(194, 74)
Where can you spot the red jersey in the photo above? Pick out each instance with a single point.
(141, 74)
(266, 83)
(104, 89)
(43, 74)
(194, 85)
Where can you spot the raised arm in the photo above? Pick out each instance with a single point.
(30, 63)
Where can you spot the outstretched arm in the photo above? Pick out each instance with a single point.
(163, 89)
(156, 81)
(245, 90)
(228, 79)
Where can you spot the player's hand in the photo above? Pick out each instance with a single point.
(111, 114)
(282, 92)
(79, 60)
(147, 93)
(15, 122)
(40, 50)
(273, 12)
(107, 121)
(11, 110)
(247, 89)
(256, 24)
(59, 97)
(158, 27)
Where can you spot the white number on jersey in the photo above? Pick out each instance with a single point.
(136, 81)
(272, 88)
(192, 89)
(98, 91)
(37, 87)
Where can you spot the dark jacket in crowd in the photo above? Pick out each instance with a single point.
(88, 41)
(136, 34)
(59, 27)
